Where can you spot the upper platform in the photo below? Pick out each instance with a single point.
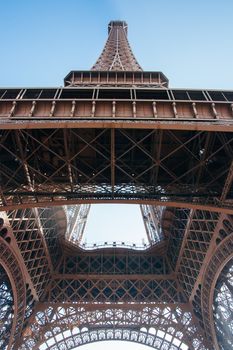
(117, 65)
(116, 78)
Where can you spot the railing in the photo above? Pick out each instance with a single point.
(124, 93)
(113, 244)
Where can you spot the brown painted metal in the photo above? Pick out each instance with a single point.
(116, 134)
(117, 54)
(121, 79)
(115, 105)
(115, 165)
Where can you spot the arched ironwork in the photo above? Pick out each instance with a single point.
(221, 256)
(223, 307)
(6, 308)
(163, 327)
(13, 296)
(151, 338)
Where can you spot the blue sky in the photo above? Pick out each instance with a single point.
(189, 41)
(112, 222)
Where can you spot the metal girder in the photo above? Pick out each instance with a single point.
(107, 165)
(126, 122)
(115, 134)
(51, 202)
(228, 184)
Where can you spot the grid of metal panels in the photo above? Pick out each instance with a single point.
(114, 263)
(26, 229)
(197, 242)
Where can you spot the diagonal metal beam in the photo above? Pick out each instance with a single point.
(113, 159)
(186, 233)
(228, 183)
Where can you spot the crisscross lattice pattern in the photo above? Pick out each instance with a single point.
(167, 327)
(117, 54)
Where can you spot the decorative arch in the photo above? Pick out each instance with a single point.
(14, 276)
(222, 255)
(6, 308)
(223, 307)
(169, 327)
(79, 338)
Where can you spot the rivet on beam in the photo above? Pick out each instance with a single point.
(134, 109)
(73, 108)
(155, 113)
(93, 109)
(195, 110)
(174, 109)
(12, 109)
(214, 110)
(32, 109)
(113, 109)
(52, 109)
(232, 108)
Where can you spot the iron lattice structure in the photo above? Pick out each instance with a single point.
(116, 134)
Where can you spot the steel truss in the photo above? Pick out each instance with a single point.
(162, 326)
(223, 301)
(6, 308)
(13, 298)
(76, 221)
(117, 54)
(222, 257)
(70, 278)
(51, 167)
(116, 134)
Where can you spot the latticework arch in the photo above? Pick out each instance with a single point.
(223, 307)
(164, 327)
(220, 258)
(120, 334)
(13, 278)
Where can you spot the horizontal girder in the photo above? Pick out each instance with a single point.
(55, 165)
(151, 107)
(104, 289)
(114, 262)
(118, 78)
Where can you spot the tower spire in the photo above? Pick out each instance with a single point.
(117, 54)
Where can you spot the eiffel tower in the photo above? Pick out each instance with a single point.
(116, 134)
